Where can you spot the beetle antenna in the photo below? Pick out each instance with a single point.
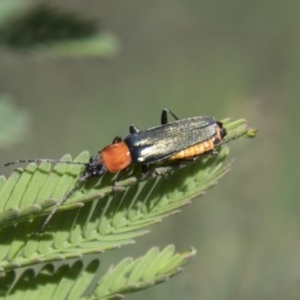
(45, 160)
(81, 180)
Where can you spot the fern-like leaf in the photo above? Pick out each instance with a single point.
(133, 275)
(47, 31)
(91, 221)
(74, 280)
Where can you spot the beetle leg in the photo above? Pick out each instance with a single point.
(159, 171)
(145, 169)
(164, 116)
(116, 188)
(215, 153)
(133, 129)
(117, 139)
(163, 172)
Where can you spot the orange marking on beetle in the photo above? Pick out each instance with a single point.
(200, 148)
(195, 150)
(115, 157)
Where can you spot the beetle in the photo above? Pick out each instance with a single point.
(183, 139)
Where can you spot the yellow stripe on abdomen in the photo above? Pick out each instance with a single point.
(195, 150)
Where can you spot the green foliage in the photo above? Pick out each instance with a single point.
(70, 281)
(13, 122)
(9, 8)
(93, 222)
(133, 275)
(48, 31)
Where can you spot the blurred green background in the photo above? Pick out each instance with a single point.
(220, 58)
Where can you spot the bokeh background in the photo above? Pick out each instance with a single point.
(221, 58)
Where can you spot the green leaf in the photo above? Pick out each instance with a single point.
(133, 275)
(9, 8)
(50, 281)
(91, 221)
(105, 45)
(238, 129)
(75, 280)
(13, 122)
(49, 32)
